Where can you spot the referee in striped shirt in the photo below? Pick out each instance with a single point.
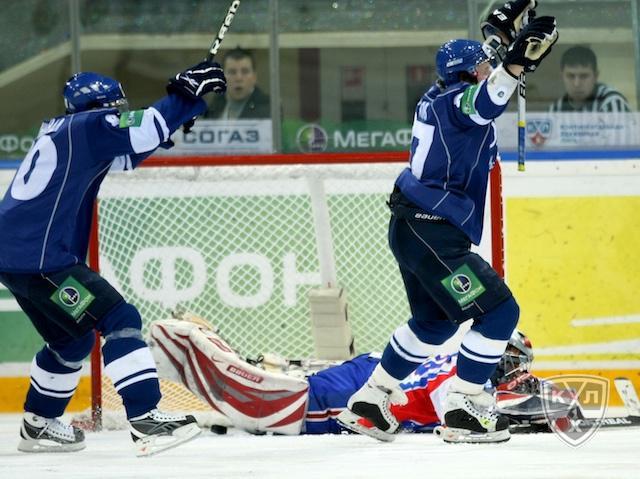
(579, 68)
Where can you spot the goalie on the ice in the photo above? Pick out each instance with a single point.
(274, 397)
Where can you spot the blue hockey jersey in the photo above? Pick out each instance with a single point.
(452, 151)
(46, 213)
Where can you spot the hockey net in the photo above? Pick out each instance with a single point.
(241, 241)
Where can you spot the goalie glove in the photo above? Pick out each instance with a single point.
(509, 20)
(533, 44)
(199, 80)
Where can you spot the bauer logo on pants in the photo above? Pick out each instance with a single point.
(589, 394)
(463, 285)
(72, 297)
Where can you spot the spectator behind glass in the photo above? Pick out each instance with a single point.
(579, 68)
(243, 98)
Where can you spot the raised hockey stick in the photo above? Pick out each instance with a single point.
(522, 120)
(215, 46)
(213, 49)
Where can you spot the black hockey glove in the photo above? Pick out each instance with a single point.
(532, 44)
(509, 19)
(199, 80)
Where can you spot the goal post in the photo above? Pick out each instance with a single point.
(242, 241)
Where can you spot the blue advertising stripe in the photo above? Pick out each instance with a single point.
(573, 155)
(9, 164)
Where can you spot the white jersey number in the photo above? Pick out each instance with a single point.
(420, 146)
(36, 170)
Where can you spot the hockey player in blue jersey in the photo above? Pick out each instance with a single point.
(45, 219)
(437, 211)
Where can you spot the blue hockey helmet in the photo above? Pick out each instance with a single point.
(88, 90)
(456, 56)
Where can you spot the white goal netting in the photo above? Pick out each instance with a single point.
(239, 246)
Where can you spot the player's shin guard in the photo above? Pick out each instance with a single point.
(54, 377)
(484, 344)
(55, 374)
(253, 399)
(128, 361)
(412, 343)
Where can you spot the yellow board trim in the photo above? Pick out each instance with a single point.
(610, 374)
(13, 391)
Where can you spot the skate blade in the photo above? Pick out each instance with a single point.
(151, 445)
(350, 421)
(47, 445)
(454, 435)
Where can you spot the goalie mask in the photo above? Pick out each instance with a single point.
(515, 361)
(88, 90)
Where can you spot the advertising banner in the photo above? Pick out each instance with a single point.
(571, 131)
(364, 135)
(558, 131)
(545, 131)
(223, 137)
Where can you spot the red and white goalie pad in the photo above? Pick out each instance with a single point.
(253, 399)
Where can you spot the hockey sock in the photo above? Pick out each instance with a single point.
(128, 361)
(55, 376)
(484, 344)
(412, 343)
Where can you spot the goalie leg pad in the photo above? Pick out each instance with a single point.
(169, 344)
(255, 400)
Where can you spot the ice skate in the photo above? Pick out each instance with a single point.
(157, 431)
(41, 434)
(369, 411)
(469, 418)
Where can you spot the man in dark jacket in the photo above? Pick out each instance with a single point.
(584, 93)
(243, 99)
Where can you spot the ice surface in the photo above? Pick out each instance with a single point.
(609, 454)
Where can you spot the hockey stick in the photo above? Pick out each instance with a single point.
(522, 121)
(213, 49)
(215, 46)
